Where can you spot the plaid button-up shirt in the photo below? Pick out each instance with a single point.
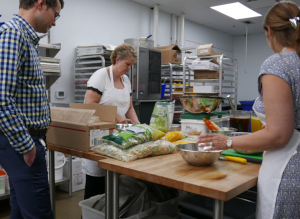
(23, 100)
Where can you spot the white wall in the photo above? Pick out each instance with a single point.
(258, 50)
(86, 22)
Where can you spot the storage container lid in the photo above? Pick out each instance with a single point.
(198, 116)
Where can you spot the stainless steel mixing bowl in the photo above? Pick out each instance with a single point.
(195, 156)
(200, 104)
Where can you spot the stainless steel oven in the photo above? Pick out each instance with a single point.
(145, 75)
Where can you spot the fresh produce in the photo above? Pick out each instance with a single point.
(162, 116)
(133, 135)
(174, 136)
(210, 125)
(157, 134)
(151, 148)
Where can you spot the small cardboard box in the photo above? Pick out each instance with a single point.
(206, 64)
(71, 127)
(170, 54)
(202, 74)
(206, 89)
(207, 50)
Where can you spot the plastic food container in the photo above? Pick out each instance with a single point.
(89, 213)
(194, 122)
(2, 181)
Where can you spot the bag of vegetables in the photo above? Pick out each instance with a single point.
(162, 116)
(133, 135)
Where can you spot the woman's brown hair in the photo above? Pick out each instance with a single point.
(122, 52)
(278, 19)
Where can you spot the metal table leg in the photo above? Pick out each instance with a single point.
(115, 201)
(52, 181)
(112, 195)
(108, 194)
(218, 209)
(70, 175)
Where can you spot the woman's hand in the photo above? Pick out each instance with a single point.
(121, 119)
(217, 141)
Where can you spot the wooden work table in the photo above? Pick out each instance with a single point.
(221, 181)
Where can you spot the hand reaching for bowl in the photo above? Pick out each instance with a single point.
(121, 119)
(217, 141)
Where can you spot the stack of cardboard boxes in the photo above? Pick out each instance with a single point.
(206, 50)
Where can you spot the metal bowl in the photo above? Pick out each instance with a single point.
(224, 130)
(195, 156)
(200, 104)
(247, 152)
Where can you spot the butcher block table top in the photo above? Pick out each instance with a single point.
(222, 180)
(88, 155)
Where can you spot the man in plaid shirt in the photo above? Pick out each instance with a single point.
(24, 108)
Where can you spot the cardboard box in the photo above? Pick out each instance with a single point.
(207, 50)
(206, 89)
(201, 74)
(170, 54)
(78, 177)
(71, 127)
(199, 64)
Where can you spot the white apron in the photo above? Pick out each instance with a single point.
(270, 173)
(113, 97)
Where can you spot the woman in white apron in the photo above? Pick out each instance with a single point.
(278, 107)
(110, 86)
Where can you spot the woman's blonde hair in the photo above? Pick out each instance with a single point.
(278, 19)
(122, 52)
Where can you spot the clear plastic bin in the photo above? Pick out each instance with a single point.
(89, 213)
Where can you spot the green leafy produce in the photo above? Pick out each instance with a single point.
(162, 116)
(132, 135)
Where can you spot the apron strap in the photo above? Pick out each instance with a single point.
(111, 77)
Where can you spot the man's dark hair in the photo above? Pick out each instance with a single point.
(27, 4)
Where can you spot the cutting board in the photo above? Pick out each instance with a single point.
(231, 152)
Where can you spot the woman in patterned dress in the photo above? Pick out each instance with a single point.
(278, 107)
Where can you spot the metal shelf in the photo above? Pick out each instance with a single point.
(228, 77)
(85, 66)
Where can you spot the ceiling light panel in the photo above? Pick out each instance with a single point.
(236, 10)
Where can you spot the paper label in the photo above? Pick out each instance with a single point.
(179, 55)
(203, 50)
(96, 135)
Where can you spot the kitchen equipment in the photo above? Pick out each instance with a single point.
(145, 75)
(240, 119)
(231, 105)
(224, 130)
(232, 134)
(200, 103)
(196, 156)
(235, 159)
(252, 158)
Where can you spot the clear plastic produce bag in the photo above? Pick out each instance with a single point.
(151, 148)
(162, 116)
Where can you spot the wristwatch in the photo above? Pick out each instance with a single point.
(229, 142)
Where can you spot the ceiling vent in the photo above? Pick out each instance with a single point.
(247, 22)
(251, 0)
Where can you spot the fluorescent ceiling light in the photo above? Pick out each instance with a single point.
(236, 10)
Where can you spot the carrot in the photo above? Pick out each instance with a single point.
(209, 124)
